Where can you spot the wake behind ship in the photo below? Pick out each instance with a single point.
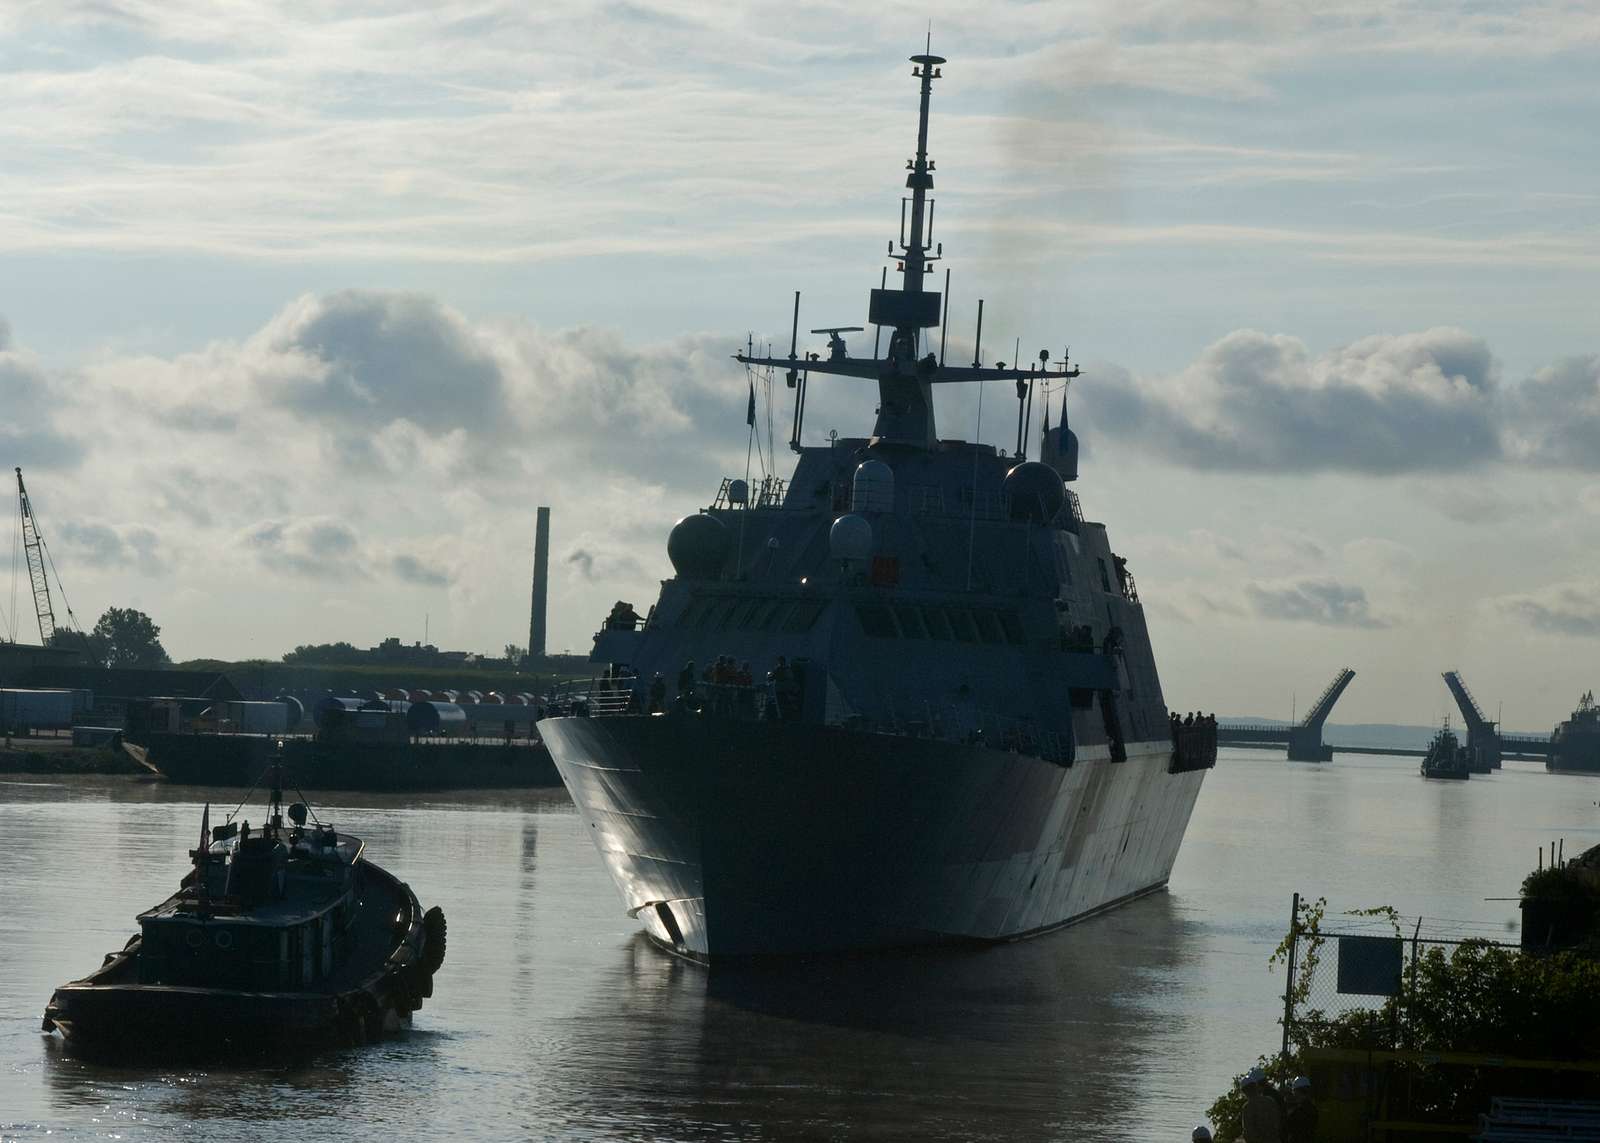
(960, 734)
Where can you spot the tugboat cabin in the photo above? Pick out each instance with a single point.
(258, 913)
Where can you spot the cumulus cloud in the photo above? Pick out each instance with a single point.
(29, 396)
(1260, 402)
(1571, 608)
(318, 547)
(1322, 601)
(371, 358)
(123, 547)
(1554, 415)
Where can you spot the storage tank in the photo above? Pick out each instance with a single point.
(429, 718)
(294, 711)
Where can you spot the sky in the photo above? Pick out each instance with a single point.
(304, 308)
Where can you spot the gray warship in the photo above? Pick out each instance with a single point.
(905, 697)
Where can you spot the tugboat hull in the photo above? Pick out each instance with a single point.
(730, 838)
(110, 1014)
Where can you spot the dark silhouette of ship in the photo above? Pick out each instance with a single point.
(1575, 743)
(1446, 757)
(915, 699)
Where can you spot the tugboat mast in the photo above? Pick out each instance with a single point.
(905, 379)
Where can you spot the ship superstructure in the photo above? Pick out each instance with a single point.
(906, 696)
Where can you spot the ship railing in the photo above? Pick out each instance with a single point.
(597, 697)
(1193, 747)
(766, 493)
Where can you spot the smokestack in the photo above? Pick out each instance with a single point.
(541, 583)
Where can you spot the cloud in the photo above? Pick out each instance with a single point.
(371, 358)
(343, 130)
(317, 547)
(1322, 601)
(1555, 415)
(1571, 608)
(1259, 402)
(413, 569)
(123, 547)
(30, 437)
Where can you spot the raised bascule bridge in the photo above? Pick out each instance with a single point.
(1486, 743)
(1304, 738)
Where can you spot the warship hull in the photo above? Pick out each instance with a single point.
(740, 839)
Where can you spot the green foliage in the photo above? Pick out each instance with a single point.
(1476, 998)
(1558, 884)
(124, 637)
(1227, 1112)
(334, 654)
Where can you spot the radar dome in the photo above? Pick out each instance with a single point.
(850, 538)
(738, 492)
(1035, 492)
(697, 546)
(873, 487)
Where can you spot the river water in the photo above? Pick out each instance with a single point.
(552, 1019)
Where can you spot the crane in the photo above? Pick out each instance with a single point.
(38, 560)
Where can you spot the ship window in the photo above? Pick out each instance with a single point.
(938, 623)
(961, 623)
(765, 618)
(1012, 626)
(804, 616)
(717, 617)
(742, 616)
(694, 612)
(989, 629)
(772, 620)
(876, 620)
(911, 625)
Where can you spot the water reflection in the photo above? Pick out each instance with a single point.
(1012, 1041)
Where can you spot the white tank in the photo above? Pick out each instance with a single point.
(873, 487)
(850, 538)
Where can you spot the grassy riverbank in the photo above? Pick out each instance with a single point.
(59, 756)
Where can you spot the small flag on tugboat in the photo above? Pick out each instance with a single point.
(205, 829)
(750, 411)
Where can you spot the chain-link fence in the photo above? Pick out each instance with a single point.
(1350, 977)
(1411, 1026)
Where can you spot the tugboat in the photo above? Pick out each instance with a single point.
(1446, 757)
(930, 710)
(279, 938)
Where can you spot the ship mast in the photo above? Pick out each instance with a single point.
(905, 379)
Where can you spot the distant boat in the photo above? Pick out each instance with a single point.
(1446, 757)
(281, 937)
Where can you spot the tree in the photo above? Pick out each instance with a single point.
(125, 637)
(515, 654)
